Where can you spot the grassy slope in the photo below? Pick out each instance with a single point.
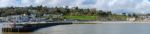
(81, 17)
(116, 17)
(119, 17)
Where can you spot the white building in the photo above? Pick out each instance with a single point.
(131, 19)
(144, 17)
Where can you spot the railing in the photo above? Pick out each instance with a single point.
(7, 25)
(10, 25)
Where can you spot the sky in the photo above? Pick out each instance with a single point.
(116, 6)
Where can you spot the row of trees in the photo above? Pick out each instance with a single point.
(40, 10)
(55, 10)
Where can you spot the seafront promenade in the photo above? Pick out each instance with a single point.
(115, 22)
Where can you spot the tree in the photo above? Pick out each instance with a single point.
(109, 13)
(134, 15)
(67, 10)
(124, 14)
(130, 15)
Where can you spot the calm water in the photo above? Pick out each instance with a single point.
(93, 29)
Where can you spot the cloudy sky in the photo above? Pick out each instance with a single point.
(118, 6)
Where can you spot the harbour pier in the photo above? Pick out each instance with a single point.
(30, 27)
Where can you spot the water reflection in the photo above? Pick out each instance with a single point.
(68, 29)
(94, 29)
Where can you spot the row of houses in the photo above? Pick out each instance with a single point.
(20, 18)
(140, 18)
(27, 18)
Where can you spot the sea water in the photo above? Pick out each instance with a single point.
(125, 28)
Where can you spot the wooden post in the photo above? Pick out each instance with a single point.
(1, 25)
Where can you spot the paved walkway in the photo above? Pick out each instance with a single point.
(115, 22)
